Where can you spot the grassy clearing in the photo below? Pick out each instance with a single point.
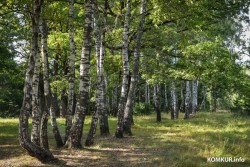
(169, 143)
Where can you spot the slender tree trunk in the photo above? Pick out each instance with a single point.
(99, 90)
(194, 96)
(36, 110)
(54, 101)
(157, 102)
(114, 100)
(187, 100)
(63, 105)
(174, 110)
(33, 149)
(134, 79)
(45, 113)
(74, 140)
(203, 102)
(49, 108)
(104, 126)
(182, 105)
(214, 100)
(165, 99)
(124, 89)
(71, 73)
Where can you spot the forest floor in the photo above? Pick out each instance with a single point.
(170, 143)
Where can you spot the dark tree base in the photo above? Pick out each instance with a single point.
(89, 142)
(119, 134)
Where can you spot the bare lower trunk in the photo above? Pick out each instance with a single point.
(134, 79)
(74, 140)
(114, 103)
(36, 112)
(104, 126)
(182, 105)
(194, 96)
(71, 73)
(147, 93)
(49, 107)
(124, 89)
(174, 110)
(203, 102)
(63, 105)
(157, 102)
(166, 99)
(99, 90)
(187, 100)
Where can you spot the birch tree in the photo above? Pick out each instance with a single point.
(134, 79)
(187, 100)
(194, 96)
(174, 110)
(157, 102)
(125, 62)
(49, 108)
(101, 86)
(74, 139)
(33, 149)
(71, 72)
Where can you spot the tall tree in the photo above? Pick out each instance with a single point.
(49, 107)
(187, 100)
(101, 86)
(157, 102)
(74, 140)
(33, 149)
(125, 76)
(194, 96)
(71, 72)
(165, 98)
(174, 110)
(134, 78)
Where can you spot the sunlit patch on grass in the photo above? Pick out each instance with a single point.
(168, 143)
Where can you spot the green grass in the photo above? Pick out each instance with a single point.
(173, 143)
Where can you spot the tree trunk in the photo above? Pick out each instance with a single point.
(114, 100)
(36, 112)
(203, 102)
(182, 105)
(174, 111)
(187, 100)
(34, 150)
(63, 105)
(74, 140)
(47, 90)
(71, 73)
(165, 99)
(134, 79)
(101, 90)
(194, 96)
(157, 102)
(45, 113)
(125, 60)
(214, 100)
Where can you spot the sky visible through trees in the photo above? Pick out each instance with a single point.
(118, 59)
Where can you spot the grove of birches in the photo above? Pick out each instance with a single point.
(120, 58)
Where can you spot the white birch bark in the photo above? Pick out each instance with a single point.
(74, 140)
(134, 78)
(34, 150)
(71, 73)
(187, 100)
(194, 96)
(125, 61)
(174, 111)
